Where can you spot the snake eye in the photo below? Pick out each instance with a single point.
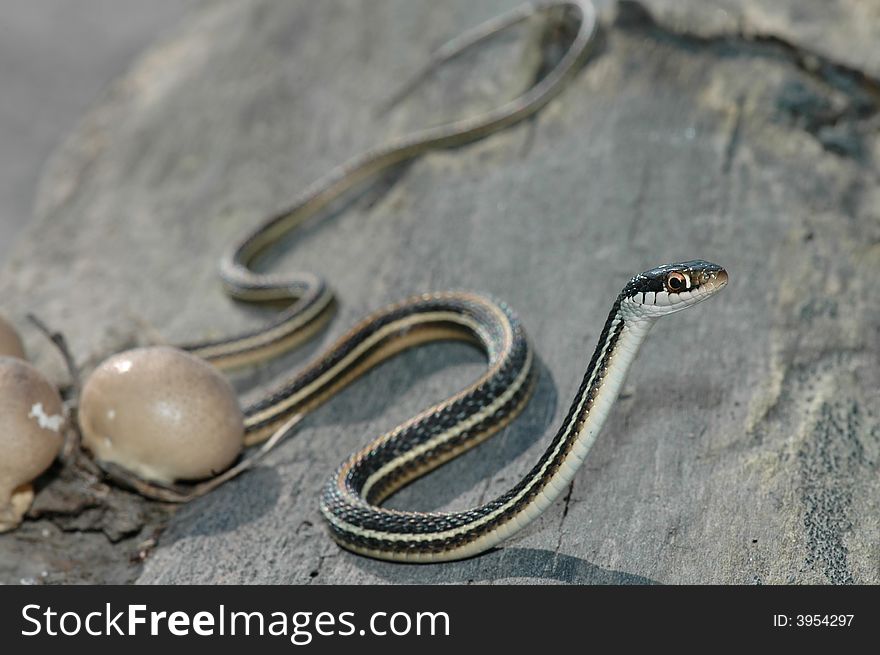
(676, 282)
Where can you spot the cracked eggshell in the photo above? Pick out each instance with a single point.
(162, 414)
(31, 435)
(10, 342)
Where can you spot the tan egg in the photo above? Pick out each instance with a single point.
(162, 414)
(10, 342)
(31, 435)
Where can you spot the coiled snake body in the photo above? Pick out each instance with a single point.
(351, 499)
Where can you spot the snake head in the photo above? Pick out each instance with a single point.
(672, 287)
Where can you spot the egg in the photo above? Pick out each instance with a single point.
(162, 414)
(10, 342)
(32, 426)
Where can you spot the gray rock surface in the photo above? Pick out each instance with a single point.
(55, 57)
(746, 445)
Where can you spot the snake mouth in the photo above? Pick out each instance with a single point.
(709, 282)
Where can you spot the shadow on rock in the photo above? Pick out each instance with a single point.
(226, 509)
(504, 564)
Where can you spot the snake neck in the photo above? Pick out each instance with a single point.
(617, 348)
(618, 345)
